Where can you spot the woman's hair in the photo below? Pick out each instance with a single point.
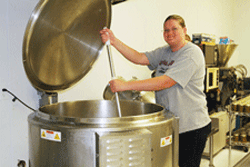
(178, 18)
(187, 37)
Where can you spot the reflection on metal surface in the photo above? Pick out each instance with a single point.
(101, 109)
(62, 41)
(225, 53)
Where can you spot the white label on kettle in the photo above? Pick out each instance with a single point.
(51, 135)
(166, 141)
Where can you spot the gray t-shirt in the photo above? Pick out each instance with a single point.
(185, 99)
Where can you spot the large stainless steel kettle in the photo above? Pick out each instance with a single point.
(60, 45)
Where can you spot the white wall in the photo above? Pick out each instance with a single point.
(14, 15)
(136, 22)
(241, 33)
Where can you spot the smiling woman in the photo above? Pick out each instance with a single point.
(178, 83)
(174, 32)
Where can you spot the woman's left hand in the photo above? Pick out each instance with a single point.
(117, 85)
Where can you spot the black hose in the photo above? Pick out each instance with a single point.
(16, 98)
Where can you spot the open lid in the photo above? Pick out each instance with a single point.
(62, 41)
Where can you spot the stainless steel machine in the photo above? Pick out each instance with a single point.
(60, 45)
(221, 84)
(90, 133)
(221, 81)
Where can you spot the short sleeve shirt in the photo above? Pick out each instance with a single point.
(185, 99)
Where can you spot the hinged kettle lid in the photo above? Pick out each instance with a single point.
(62, 41)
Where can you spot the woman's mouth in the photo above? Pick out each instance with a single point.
(170, 38)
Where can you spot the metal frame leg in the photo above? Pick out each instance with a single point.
(211, 158)
(230, 137)
(175, 147)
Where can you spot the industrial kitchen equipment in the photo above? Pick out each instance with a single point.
(60, 45)
(221, 81)
(221, 84)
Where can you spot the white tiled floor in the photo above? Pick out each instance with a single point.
(221, 159)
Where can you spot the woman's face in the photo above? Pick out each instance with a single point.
(173, 33)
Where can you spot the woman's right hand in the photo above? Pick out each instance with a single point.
(106, 34)
(129, 53)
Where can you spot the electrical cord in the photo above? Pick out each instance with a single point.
(16, 98)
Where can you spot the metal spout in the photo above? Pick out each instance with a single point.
(225, 53)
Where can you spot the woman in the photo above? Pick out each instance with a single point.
(179, 84)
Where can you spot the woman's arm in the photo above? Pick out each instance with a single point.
(152, 84)
(129, 53)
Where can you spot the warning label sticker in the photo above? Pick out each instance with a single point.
(51, 135)
(166, 141)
